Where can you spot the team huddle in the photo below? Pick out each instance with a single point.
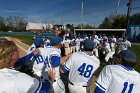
(81, 60)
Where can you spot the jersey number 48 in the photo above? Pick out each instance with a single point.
(85, 70)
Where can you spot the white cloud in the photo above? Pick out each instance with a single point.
(12, 11)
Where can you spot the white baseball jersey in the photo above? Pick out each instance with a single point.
(108, 46)
(96, 41)
(96, 37)
(118, 79)
(77, 41)
(39, 62)
(52, 51)
(13, 81)
(114, 39)
(81, 67)
(124, 45)
(45, 56)
(66, 43)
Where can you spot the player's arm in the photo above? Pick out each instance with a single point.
(66, 66)
(64, 58)
(55, 58)
(26, 58)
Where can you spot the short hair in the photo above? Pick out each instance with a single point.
(6, 50)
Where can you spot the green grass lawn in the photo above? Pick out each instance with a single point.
(25, 39)
(28, 40)
(136, 49)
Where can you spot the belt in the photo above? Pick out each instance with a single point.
(73, 84)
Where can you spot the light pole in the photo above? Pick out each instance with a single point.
(82, 16)
(128, 17)
(118, 4)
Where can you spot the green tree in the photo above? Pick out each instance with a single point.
(135, 19)
(119, 22)
(106, 23)
(2, 24)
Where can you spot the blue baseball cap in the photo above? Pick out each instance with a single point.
(38, 41)
(128, 55)
(56, 40)
(89, 44)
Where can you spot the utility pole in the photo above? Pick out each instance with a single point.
(62, 21)
(118, 4)
(128, 14)
(82, 16)
(53, 20)
(129, 10)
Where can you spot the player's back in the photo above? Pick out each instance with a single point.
(13, 81)
(39, 62)
(82, 67)
(123, 80)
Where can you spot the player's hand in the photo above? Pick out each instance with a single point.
(52, 75)
(36, 51)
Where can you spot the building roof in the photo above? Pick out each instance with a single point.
(99, 29)
(37, 26)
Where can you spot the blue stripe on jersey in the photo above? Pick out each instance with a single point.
(64, 69)
(100, 86)
(98, 90)
(39, 86)
(127, 68)
(55, 61)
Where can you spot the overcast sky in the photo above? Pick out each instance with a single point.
(69, 11)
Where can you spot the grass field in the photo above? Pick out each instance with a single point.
(25, 39)
(28, 40)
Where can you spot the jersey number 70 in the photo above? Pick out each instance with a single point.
(85, 70)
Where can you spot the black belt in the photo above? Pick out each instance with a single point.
(73, 84)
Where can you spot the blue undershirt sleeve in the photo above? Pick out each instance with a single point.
(23, 60)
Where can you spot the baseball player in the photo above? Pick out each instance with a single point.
(49, 58)
(77, 41)
(72, 46)
(110, 47)
(13, 81)
(38, 42)
(114, 38)
(120, 78)
(81, 66)
(66, 43)
(124, 45)
(97, 43)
